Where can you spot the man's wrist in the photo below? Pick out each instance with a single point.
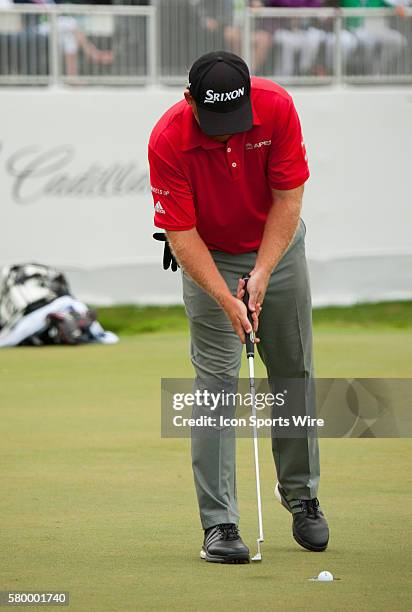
(225, 300)
(264, 270)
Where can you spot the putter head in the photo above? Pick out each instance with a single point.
(258, 556)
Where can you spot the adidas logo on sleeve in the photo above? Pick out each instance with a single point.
(159, 208)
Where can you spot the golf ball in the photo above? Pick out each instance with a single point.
(325, 576)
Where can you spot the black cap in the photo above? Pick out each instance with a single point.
(220, 84)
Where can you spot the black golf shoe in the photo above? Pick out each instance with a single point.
(310, 528)
(223, 544)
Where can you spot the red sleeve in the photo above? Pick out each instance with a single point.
(288, 163)
(172, 198)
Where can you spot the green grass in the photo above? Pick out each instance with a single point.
(130, 320)
(396, 315)
(93, 501)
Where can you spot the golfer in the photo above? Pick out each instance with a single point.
(228, 166)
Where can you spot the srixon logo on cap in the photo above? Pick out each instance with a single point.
(212, 96)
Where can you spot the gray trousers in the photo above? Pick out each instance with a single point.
(285, 332)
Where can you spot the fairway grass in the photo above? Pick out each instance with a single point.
(131, 319)
(94, 502)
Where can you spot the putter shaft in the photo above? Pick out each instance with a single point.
(260, 539)
(250, 353)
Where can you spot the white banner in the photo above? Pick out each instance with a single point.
(74, 190)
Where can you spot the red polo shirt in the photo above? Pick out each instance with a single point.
(224, 189)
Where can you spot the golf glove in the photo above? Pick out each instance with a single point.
(169, 260)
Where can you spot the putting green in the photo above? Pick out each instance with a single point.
(96, 503)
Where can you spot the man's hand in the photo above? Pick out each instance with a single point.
(237, 314)
(211, 24)
(257, 285)
(400, 10)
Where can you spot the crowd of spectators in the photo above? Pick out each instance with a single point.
(33, 36)
(292, 46)
(281, 46)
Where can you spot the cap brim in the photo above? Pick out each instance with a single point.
(219, 124)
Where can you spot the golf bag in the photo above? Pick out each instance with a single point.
(69, 327)
(30, 289)
(27, 287)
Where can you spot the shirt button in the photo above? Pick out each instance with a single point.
(234, 164)
(229, 150)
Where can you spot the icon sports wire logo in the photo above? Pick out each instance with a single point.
(159, 208)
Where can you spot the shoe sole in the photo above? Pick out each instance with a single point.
(235, 560)
(297, 539)
(309, 546)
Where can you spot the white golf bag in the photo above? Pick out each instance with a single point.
(27, 287)
(37, 309)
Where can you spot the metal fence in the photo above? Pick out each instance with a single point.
(124, 45)
(321, 45)
(46, 45)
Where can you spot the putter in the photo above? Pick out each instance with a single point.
(250, 353)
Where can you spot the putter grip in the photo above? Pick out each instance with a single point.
(250, 347)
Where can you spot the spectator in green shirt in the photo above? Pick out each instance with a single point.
(370, 42)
